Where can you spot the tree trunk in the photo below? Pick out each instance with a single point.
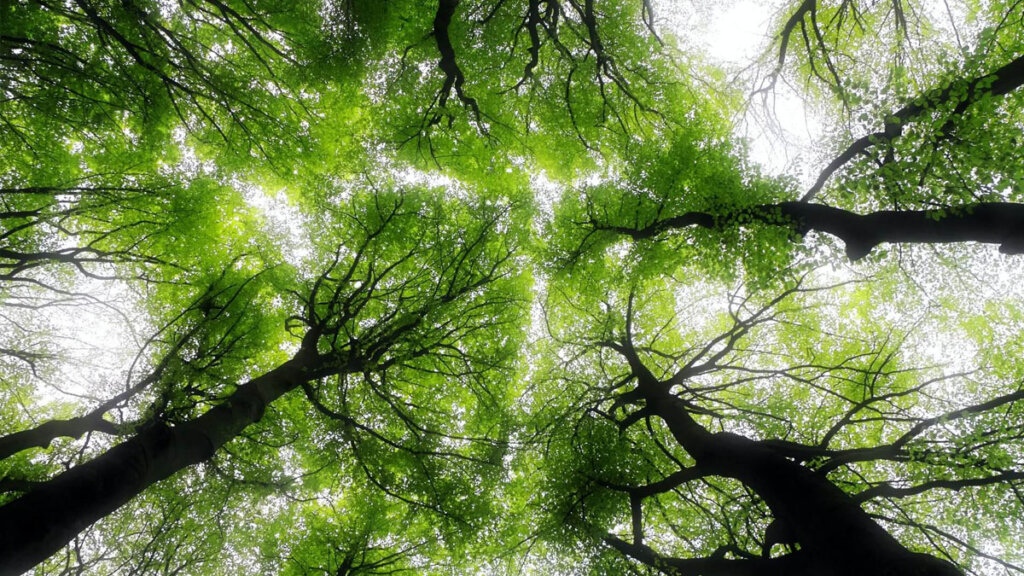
(836, 537)
(37, 525)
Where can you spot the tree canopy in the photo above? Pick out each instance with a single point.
(352, 287)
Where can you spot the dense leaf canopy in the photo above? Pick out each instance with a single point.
(351, 287)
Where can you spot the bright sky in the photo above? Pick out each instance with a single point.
(735, 34)
(737, 29)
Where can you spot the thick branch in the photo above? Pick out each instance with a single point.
(834, 533)
(787, 30)
(38, 524)
(989, 222)
(886, 490)
(896, 448)
(42, 435)
(453, 76)
(792, 565)
(8, 484)
(667, 483)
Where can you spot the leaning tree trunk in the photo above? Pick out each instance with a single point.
(37, 525)
(836, 536)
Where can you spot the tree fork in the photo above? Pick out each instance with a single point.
(999, 82)
(836, 536)
(453, 76)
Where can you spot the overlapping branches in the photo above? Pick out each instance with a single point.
(952, 101)
(188, 346)
(390, 328)
(566, 50)
(408, 287)
(682, 396)
(148, 58)
(90, 225)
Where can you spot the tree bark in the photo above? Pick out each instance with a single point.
(989, 222)
(792, 565)
(37, 525)
(836, 537)
(42, 435)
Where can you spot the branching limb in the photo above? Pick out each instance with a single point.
(453, 76)
(1001, 81)
(792, 564)
(988, 222)
(666, 484)
(887, 490)
(896, 448)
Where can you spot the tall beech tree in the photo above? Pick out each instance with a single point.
(690, 435)
(482, 286)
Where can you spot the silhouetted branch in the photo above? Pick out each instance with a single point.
(988, 222)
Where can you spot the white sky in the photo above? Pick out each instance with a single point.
(735, 34)
(735, 31)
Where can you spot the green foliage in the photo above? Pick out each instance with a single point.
(481, 231)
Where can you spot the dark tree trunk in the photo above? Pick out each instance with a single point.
(836, 537)
(37, 525)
